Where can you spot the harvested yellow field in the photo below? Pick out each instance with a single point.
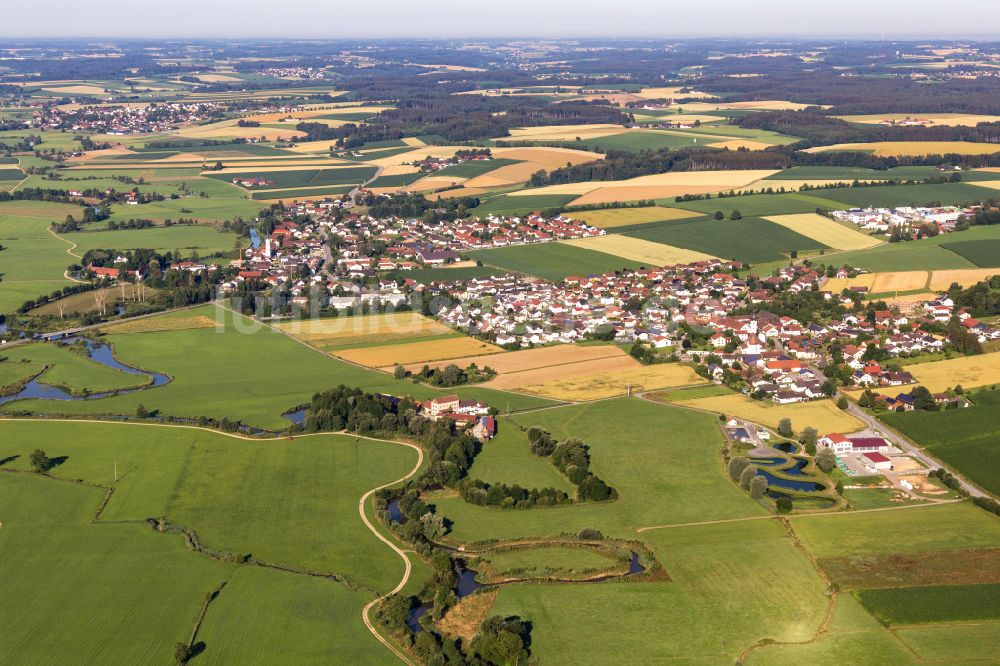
(671, 93)
(506, 175)
(637, 249)
(417, 154)
(340, 331)
(237, 169)
(542, 357)
(217, 78)
(949, 119)
(564, 132)
(825, 231)
(413, 141)
(899, 281)
(617, 382)
(435, 183)
(837, 285)
(688, 180)
(548, 157)
(678, 182)
(913, 148)
(81, 89)
(312, 147)
(399, 170)
(764, 105)
(966, 277)
(820, 414)
(969, 371)
(158, 324)
(230, 130)
(417, 352)
(681, 118)
(516, 381)
(611, 218)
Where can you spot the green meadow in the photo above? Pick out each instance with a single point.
(102, 593)
(933, 604)
(714, 604)
(751, 239)
(926, 254)
(663, 461)
(33, 261)
(231, 370)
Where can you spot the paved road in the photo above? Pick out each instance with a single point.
(909, 447)
(353, 194)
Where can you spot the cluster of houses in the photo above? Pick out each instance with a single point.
(251, 182)
(367, 245)
(884, 220)
(431, 164)
(464, 414)
(122, 120)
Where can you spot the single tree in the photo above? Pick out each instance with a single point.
(736, 467)
(181, 653)
(758, 486)
(747, 475)
(141, 412)
(785, 427)
(842, 403)
(826, 460)
(784, 504)
(719, 215)
(40, 462)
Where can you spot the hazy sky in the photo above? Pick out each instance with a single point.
(505, 18)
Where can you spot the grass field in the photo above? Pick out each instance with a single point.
(33, 261)
(84, 301)
(820, 414)
(102, 593)
(214, 374)
(202, 238)
(233, 493)
(850, 174)
(752, 205)
(520, 205)
(980, 253)
(292, 178)
(710, 566)
(753, 240)
(894, 196)
(936, 604)
(69, 369)
(825, 231)
(269, 616)
(612, 218)
(426, 351)
(646, 252)
(157, 324)
(662, 460)
(610, 383)
(553, 560)
(916, 530)
(345, 331)
(927, 254)
(553, 261)
(971, 641)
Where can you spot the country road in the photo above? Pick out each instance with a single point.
(406, 560)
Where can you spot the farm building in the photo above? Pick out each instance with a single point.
(876, 461)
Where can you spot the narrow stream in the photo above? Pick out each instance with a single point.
(99, 352)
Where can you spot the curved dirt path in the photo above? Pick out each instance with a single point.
(69, 251)
(402, 554)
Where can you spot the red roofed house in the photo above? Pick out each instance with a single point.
(876, 461)
(103, 271)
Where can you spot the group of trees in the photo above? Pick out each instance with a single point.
(420, 111)
(450, 375)
(744, 473)
(572, 458)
